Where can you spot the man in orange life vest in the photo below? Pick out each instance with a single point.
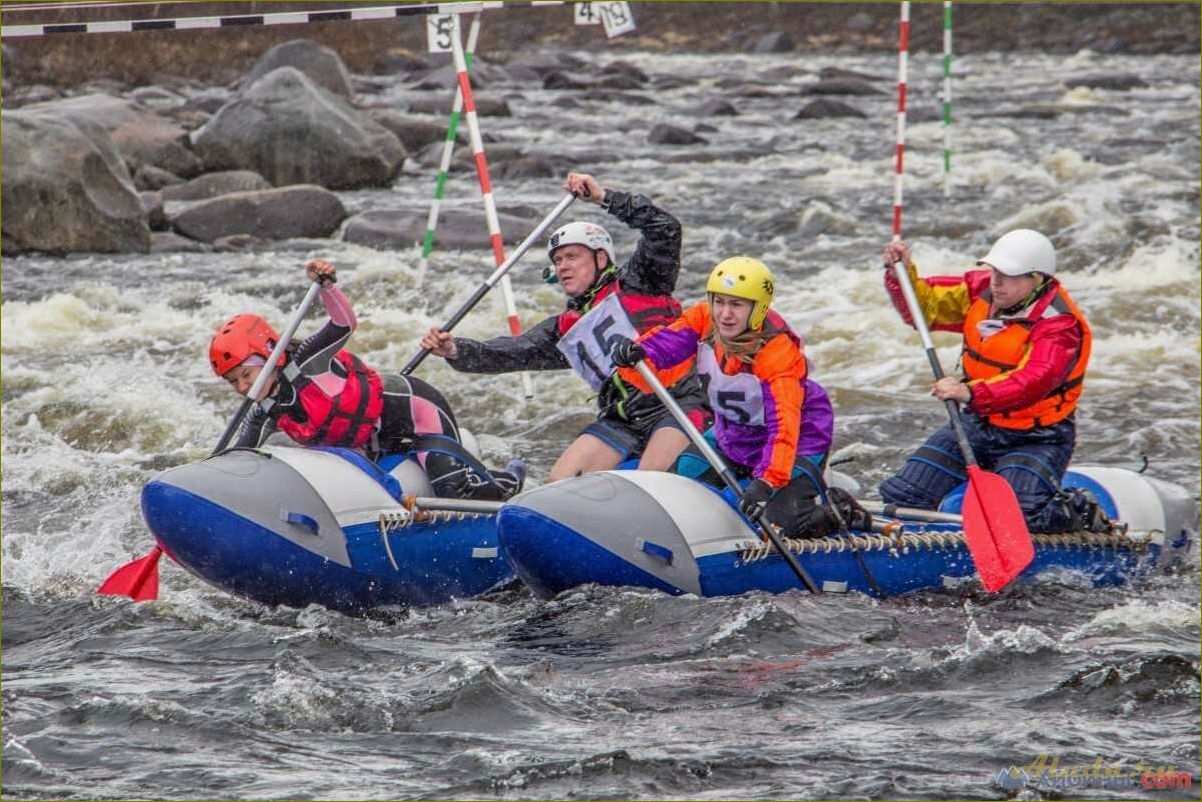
(1026, 347)
(605, 300)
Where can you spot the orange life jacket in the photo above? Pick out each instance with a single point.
(986, 357)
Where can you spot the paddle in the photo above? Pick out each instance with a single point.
(496, 276)
(994, 527)
(139, 579)
(715, 461)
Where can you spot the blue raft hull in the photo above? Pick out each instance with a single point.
(667, 533)
(300, 527)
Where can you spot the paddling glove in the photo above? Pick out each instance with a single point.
(756, 498)
(627, 353)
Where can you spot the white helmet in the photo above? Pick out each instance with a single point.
(1022, 251)
(590, 235)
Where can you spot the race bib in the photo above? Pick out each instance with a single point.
(738, 398)
(587, 344)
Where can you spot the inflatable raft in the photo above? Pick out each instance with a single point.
(662, 531)
(297, 526)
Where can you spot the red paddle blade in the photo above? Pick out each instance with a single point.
(138, 580)
(995, 529)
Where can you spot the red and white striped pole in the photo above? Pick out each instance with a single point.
(490, 206)
(903, 48)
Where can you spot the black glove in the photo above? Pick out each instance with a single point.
(756, 498)
(627, 353)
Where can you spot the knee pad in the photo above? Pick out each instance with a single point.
(691, 464)
(923, 481)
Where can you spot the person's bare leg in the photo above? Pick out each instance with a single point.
(662, 449)
(585, 455)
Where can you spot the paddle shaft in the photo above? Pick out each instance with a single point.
(718, 464)
(269, 366)
(920, 323)
(496, 276)
(913, 513)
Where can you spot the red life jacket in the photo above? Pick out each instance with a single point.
(347, 420)
(645, 311)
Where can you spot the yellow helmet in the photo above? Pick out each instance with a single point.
(744, 277)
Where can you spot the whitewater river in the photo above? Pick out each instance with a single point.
(617, 693)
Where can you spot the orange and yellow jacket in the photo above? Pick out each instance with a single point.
(795, 416)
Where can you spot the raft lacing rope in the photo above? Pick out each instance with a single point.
(392, 521)
(756, 550)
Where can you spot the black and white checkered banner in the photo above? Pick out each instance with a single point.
(281, 18)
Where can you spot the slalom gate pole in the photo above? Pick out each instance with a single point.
(947, 98)
(490, 207)
(444, 165)
(903, 48)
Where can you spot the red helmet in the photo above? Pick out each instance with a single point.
(238, 338)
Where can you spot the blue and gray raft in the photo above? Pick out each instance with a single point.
(296, 526)
(662, 531)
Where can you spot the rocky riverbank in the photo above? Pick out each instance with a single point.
(253, 145)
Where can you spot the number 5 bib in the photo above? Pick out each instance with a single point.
(738, 398)
(588, 343)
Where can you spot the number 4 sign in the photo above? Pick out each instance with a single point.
(586, 14)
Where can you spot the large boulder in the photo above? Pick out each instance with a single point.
(457, 229)
(290, 131)
(65, 188)
(823, 108)
(1119, 81)
(322, 65)
(296, 211)
(141, 136)
(211, 185)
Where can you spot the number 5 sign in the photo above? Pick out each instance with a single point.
(438, 33)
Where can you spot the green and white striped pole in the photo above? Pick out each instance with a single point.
(947, 98)
(444, 165)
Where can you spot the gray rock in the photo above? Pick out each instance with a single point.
(543, 63)
(211, 185)
(152, 204)
(322, 65)
(525, 167)
(619, 81)
(26, 95)
(141, 136)
(151, 178)
(821, 109)
(717, 107)
(155, 97)
(609, 96)
(664, 134)
(774, 42)
(414, 134)
(170, 242)
(210, 100)
(558, 80)
(704, 128)
(1121, 81)
(625, 68)
(65, 188)
(485, 106)
(840, 86)
(291, 131)
(457, 229)
(294, 211)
